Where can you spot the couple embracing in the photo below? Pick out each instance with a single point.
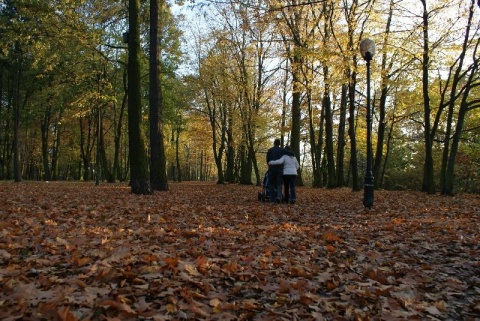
(282, 170)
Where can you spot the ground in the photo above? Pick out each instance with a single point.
(201, 251)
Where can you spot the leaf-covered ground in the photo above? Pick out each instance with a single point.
(75, 251)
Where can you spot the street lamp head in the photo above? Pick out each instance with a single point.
(367, 49)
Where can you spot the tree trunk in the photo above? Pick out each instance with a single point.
(177, 153)
(428, 174)
(3, 113)
(139, 173)
(217, 125)
(118, 134)
(17, 175)
(56, 149)
(296, 111)
(319, 150)
(448, 162)
(45, 137)
(158, 170)
(105, 171)
(341, 138)
(251, 152)
(245, 166)
(351, 133)
(327, 105)
(317, 180)
(230, 166)
(387, 154)
(285, 92)
(86, 147)
(377, 164)
(448, 188)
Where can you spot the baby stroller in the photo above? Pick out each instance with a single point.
(263, 195)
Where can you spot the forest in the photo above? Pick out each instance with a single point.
(155, 91)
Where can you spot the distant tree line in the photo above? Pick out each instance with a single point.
(219, 83)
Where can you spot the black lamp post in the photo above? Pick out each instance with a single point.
(367, 50)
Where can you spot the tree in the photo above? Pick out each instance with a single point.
(388, 76)
(215, 86)
(15, 45)
(428, 170)
(268, 69)
(327, 105)
(459, 85)
(356, 14)
(139, 172)
(158, 170)
(247, 35)
(296, 32)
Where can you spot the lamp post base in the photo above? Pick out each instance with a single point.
(368, 195)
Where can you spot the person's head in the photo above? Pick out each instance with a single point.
(288, 147)
(276, 142)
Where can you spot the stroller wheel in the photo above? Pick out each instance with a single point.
(259, 196)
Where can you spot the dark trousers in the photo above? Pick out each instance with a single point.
(275, 182)
(289, 188)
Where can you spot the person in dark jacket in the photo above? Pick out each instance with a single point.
(275, 172)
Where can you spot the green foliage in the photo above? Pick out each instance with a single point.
(64, 62)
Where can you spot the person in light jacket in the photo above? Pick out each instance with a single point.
(290, 167)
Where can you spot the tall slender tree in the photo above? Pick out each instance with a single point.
(16, 119)
(459, 84)
(386, 72)
(139, 171)
(428, 169)
(355, 14)
(327, 105)
(158, 170)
